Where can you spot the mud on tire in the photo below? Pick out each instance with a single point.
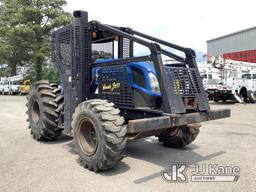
(99, 134)
(179, 138)
(44, 105)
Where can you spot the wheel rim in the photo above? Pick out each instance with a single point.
(35, 112)
(87, 137)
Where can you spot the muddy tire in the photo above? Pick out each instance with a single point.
(99, 134)
(179, 138)
(44, 105)
(251, 97)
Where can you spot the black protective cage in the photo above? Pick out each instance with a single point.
(188, 77)
(72, 53)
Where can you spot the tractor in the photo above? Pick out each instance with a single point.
(109, 95)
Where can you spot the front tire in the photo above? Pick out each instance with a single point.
(44, 108)
(99, 134)
(180, 137)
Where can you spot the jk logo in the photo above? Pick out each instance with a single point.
(176, 173)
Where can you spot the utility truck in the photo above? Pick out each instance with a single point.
(10, 85)
(226, 79)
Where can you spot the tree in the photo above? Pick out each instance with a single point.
(15, 36)
(25, 28)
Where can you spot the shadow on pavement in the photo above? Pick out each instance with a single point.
(224, 103)
(152, 151)
(60, 139)
(242, 134)
(149, 150)
(121, 167)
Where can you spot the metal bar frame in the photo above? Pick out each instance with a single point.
(172, 103)
(169, 121)
(78, 76)
(123, 61)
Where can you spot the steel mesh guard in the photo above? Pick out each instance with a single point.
(126, 48)
(113, 85)
(61, 46)
(183, 81)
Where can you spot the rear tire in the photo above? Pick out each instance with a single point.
(179, 138)
(99, 134)
(251, 97)
(44, 103)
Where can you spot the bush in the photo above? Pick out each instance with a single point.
(49, 73)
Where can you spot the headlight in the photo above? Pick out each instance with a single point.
(154, 85)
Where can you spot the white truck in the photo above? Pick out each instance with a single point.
(2, 87)
(10, 85)
(230, 80)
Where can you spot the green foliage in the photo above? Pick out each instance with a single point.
(5, 72)
(49, 72)
(25, 28)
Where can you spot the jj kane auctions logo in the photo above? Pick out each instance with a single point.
(177, 172)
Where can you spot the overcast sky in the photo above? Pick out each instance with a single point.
(184, 22)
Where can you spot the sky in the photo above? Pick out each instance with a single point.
(183, 22)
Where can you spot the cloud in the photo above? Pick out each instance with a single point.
(187, 23)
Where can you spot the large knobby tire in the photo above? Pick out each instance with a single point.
(44, 108)
(99, 134)
(180, 137)
(251, 96)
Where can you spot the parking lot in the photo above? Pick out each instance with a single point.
(28, 165)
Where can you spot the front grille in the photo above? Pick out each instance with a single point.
(114, 85)
(183, 81)
(61, 46)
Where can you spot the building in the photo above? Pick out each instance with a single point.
(240, 46)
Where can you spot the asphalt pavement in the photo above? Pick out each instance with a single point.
(27, 165)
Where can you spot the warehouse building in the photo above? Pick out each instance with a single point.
(240, 46)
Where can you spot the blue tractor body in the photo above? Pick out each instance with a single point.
(146, 68)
